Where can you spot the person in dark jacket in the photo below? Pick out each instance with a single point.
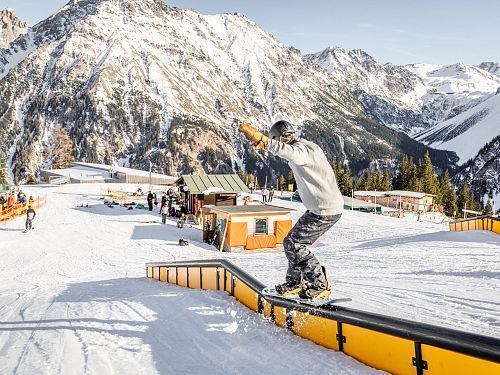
(30, 216)
(150, 201)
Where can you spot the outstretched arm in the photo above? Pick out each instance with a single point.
(255, 137)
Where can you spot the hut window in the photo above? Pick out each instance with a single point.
(260, 226)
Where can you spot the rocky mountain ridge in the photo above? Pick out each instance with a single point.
(10, 27)
(141, 81)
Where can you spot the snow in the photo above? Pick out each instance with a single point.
(74, 297)
(482, 125)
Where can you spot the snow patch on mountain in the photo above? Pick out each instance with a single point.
(491, 67)
(467, 132)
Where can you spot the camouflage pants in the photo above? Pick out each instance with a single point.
(302, 264)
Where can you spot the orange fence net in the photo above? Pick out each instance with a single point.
(19, 209)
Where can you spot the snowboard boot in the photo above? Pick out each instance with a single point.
(289, 288)
(316, 291)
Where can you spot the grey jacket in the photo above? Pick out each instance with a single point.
(314, 175)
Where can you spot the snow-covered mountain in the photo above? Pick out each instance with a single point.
(409, 98)
(140, 80)
(491, 67)
(10, 27)
(467, 132)
(482, 172)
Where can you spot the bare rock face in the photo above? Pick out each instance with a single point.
(10, 27)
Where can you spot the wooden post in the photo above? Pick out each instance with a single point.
(224, 236)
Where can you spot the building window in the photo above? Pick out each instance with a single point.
(260, 226)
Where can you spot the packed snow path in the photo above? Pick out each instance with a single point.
(74, 299)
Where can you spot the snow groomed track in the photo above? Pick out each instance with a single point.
(395, 345)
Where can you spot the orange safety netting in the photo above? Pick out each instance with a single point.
(19, 209)
(281, 229)
(261, 242)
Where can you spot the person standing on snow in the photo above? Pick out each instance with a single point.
(320, 195)
(265, 194)
(30, 216)
(150, 201)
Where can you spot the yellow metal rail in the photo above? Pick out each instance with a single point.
(394, 345)
(477, 223)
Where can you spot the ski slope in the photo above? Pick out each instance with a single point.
(74, 298)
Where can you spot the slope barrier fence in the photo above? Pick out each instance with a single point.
(477, 223)
(391, 344)
(19, 209)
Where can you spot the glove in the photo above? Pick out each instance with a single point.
(258, 139)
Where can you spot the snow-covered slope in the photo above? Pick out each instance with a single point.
(491, 67)
(467, 132)
(10, 27)
(74, 298)
(410, 98)
(144, 81)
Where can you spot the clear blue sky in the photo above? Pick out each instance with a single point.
(398, 31)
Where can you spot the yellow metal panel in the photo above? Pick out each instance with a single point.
(496, 226)
(182, 276)
(208, 275)
(453, 226)
(487, 224)
(379, 350)
(228, 282)
(280, 316)
(194, 277)
(155, 273)
(266, 308)
(442, 361)
(149, 272)
(171, 275)
(480, 224)
(471, 224)
(163, 273)
(221, 279)
(246, 295)
(320, 330)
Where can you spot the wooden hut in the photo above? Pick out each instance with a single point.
(215, 189)
(240, 228)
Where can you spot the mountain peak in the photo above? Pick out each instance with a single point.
(10, 27)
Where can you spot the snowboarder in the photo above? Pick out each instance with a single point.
(320, 195)
(30, 216)
(150, 201)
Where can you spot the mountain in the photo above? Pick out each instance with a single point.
(10, 27)
(482, 172)
(491, 67)
(139, 81)
(410, 98)
(467, 132)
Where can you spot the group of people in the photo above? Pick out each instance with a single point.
(8, 201)
(167, 205)
(267, 194)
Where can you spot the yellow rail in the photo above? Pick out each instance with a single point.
(477, 223)
(394, 345)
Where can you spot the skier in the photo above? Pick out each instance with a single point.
(150, 201)
(30, 216)
(321, 197)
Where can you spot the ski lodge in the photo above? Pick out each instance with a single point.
(216, 189)
(251, 227)
(399, 199)
(80, 172)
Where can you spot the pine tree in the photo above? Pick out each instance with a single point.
(407, 178)
(377, 180)
(428, 180)
(357, 184)
(367, 180)
(291, 178)
(61, 148)
(488, 209)
(386, 182)
(345, 182)
(448, 195)
(463, 199)
(282, 182)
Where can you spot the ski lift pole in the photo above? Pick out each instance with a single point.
(150, 167)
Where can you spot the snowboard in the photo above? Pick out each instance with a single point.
(295, 298)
